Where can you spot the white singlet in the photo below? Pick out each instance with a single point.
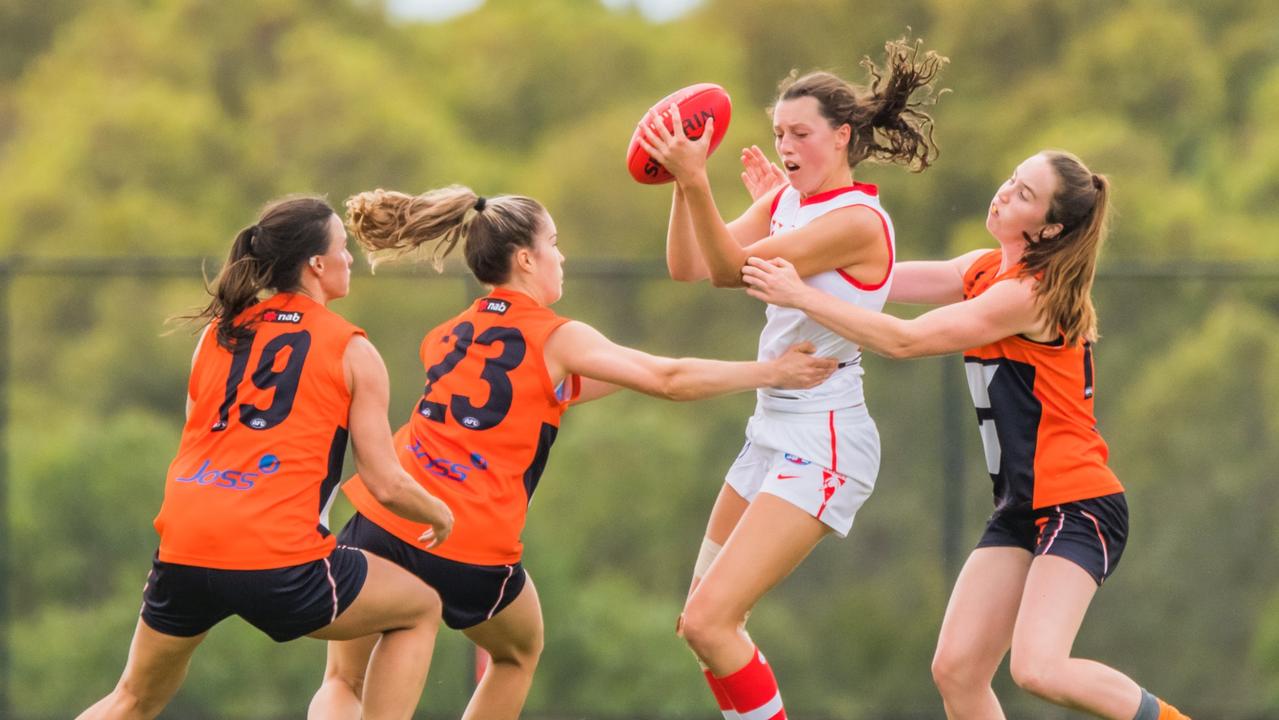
(787, 326)
(817, 449)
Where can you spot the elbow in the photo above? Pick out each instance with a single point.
(672, 386)
(903, 348)
(725, 280)
(383, 488)
(682, 274)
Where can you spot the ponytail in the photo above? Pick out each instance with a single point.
(391, 225)
(1066, 263)
(267, 255)
(886, 120)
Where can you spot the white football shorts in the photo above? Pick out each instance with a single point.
(824, 463)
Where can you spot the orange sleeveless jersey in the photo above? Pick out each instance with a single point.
(261, 453)
(1034, 405)
(481, 433)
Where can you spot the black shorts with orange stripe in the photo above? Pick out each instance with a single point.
(1091, 533)
(471, 593)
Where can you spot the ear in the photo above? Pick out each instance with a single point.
(524, 259)
(1049, 232)
(843, 134)
(317, 264)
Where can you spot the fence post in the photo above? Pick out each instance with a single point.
(6, 541)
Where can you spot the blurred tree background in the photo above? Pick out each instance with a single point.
(139, 128)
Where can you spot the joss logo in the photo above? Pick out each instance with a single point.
(209, 476)
(276, 316)
(498, 307)
(443, 467)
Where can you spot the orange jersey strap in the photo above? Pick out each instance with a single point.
(1034, 404)
(481, 432)
(261, 453)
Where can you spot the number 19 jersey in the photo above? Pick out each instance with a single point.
(261, 453)
(482, 431)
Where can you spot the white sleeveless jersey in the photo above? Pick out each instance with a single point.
(787, 326)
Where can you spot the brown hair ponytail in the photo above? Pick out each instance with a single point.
(887, 124)
(1067, 262)
(390, 225)
(267, 255)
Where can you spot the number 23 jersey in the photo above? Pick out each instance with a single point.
(1034, 405)
(481, 433)
(261, 453)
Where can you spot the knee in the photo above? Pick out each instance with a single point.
(704, 629)
(1036, 675)
(955, 672)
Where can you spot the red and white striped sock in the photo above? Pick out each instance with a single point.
(721, 697)
(753, 690)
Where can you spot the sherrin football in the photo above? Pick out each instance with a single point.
(697, 103)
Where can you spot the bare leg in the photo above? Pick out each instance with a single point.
(726, 513)
(407, 614)
(339, 696)
(513, 640)
(155, 670)
(769, 542)
(977, 631)
(1053, 605)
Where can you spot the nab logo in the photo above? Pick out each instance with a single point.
(498, 307)
(796, 459)
(275, 316)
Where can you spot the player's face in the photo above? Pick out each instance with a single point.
(812, 153)
(336, 261)
(1021, 203)
(550, 262)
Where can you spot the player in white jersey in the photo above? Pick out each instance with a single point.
(810, 458)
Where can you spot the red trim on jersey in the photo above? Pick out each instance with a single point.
(777, 199)
(834, 460)
(867, 188)
(887, 273)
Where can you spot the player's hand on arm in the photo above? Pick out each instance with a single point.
(776, 282)
(1008, 308)
(761, 176)
(375, 457)
(798, 368)
(578, 348)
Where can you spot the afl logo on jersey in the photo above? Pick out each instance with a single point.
(471, 422)
(258, 423)
(275, 316)
(491, 305)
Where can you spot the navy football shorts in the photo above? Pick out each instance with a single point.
(1090, 533)
(285, 603)
(471, 593)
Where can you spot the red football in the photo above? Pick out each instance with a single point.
(697, 103)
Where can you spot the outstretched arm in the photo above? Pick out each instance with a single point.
(375, 457)
(932, 282)
(578, 348)
(1008, 308)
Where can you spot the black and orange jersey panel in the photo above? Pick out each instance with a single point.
(261, 453)
(480, 434)
(1034, 405)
